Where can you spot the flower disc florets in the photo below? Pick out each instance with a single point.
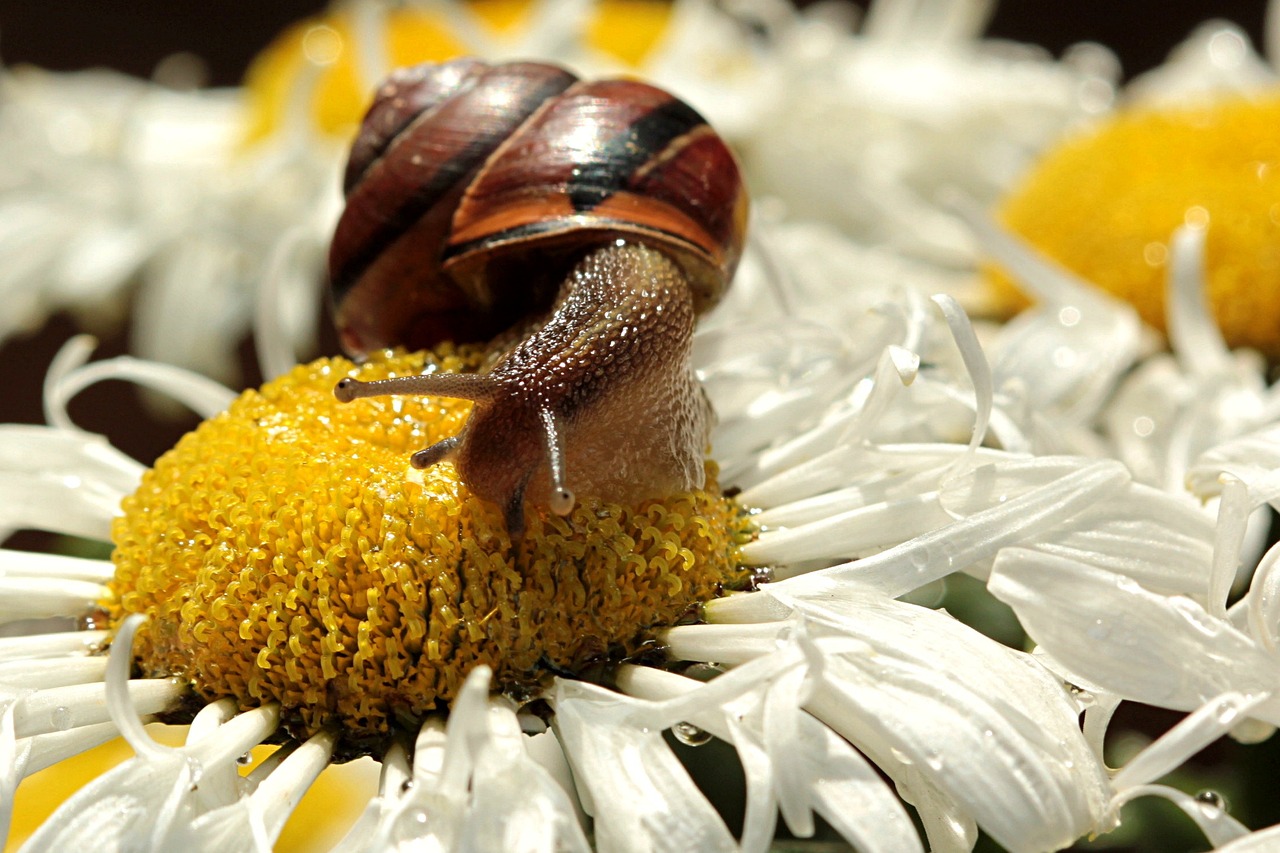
(1106, 203)
(286, 551)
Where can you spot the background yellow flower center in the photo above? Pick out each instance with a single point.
(624, 29)
(1105, 205)
(286, 551)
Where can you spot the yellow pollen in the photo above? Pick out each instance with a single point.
(286, 551)
(1105, 205)
(327, 47)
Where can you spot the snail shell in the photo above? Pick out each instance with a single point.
(587, 221)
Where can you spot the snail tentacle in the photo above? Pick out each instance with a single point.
(561, 499)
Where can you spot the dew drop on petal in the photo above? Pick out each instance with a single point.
(195, 772)
(704, 671)
(690, 735)
(1083, 698)
(1210, 799)
(245, 759)
(901, 757)
(1228, 712)
(61, 718)
(411, 825)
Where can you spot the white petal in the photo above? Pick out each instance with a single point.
(37, 598)
(474, 786)
(826, 774)
(1160, 540)
(1262, 841)
(44, 673)
(1067, 353)
(254, 822)
(61, 481)
(1215, 61)
(1161, 650)
(1014, 514)
(640, 795)
(199, 393)
(989, 728)
(36, 646)
(1218, 826)
(1192, 734)
(31, 564)
(1194, 335)
(515, 804)
(62, 708)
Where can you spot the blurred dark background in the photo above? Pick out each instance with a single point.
(133, 37)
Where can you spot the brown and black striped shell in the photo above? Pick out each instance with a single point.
(472, 188)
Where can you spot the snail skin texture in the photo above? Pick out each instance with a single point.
(579, 227)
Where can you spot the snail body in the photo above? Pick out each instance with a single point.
(581, 227)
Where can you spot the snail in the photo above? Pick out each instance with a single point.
(578, 226)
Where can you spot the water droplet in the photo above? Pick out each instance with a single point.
(93, 619)
(61, 718)
(412, 824)
(1228, 713)
(901, 756)
(704, 671)
(245, 759)
(406, 786)
(690, 735)
(934, 759)
(1082, 698)
(195, 772)
(1212, 800)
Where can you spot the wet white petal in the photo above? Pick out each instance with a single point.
(1218, 826)
(804, 765)
(254, 822)
(1262, 841)
(639, 795)
(42, 646)
(37, 598)
(1065, 354)
(1161, 650)
(1199, 729)
(911, 687)
(43, 673)
(476, 786)
(1016, 508)
(62, 708)
(31, 564)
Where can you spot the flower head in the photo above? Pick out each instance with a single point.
(1105, 204)
(286, 552)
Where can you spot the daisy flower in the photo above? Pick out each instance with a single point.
(281, 576)
(272, 576)
(1183, 247)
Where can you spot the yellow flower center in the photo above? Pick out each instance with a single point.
(624, 29)
(1105, 205)
(286, 551)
